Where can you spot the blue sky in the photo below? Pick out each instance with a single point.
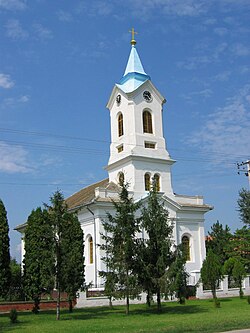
(59, 61)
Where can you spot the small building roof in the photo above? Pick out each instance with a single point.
(88, 194)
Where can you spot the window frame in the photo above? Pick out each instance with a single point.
(120, 124)
(91, 250)
(156, 180)
(147, 181)
(147, 122)
(186, 247)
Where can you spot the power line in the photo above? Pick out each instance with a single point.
(46, 134)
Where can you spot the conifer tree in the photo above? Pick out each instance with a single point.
(219, 240)
(234, 267)
(63, 223)
(177, 276)
(239, 246)
(211, 272)
(72, 258)
(157, 247)
(5, 272)
(244, 206)
(120, 245)
(39, 256)
(16, 285)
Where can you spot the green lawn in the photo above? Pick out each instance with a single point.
(195, 316)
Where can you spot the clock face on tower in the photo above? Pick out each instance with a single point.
(147, 96)
(118, 99)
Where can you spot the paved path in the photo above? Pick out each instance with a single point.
(238, 331)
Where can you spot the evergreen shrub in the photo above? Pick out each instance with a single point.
(13, 316)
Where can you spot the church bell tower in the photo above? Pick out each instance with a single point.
(138, 150)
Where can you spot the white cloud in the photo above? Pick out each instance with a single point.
(13, 159)
(64, 16)
(24, 99)
(5, 81)
(169, 7)
(15, 30)
(224, 76)
(11, 102)
(220, 31)
(227, 129)
(42, 32)
(241, 50)
(205, 93)
(13, 4)
(194, 62)
(101, 8)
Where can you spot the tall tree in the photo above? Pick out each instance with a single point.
(235, 268)
(72, 258)
(218, 241)
(244, 206)
(211, 272)
(16, 287)
(239, 246)
(5, 272)
(63, 223)
(177, 276)
(120, 245)
(157, 252)
(39, 256)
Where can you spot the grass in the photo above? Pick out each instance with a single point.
(195, 316)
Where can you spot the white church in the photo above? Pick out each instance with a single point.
(138, 154)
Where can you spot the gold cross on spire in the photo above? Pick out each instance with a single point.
(133, 32)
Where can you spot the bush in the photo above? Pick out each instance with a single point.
(217, 303)
(191, 291)
(182, 300)
(13, 315)
(248, 299)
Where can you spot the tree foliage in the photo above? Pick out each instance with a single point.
(5, 272)
(16, 287)
(211, 272)
(68, 246)
(53, 252)
(239, 246)
(234, 267)
(72, 258)
(244, 206)
(39, 256)
(177, 276)
(120, 246)
(218, 241)
(156, 250)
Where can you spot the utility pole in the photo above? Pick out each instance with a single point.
(244, 167)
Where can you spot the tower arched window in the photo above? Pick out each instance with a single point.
(91, 250)
(185, 241)
(147, 181)
(157, 182)
(147, 122)
(120, 124)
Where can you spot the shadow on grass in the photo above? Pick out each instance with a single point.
(25, 318)
(93, 313)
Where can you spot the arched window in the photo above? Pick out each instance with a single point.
(91, 252)
(157, 182)
(121, 178)
(186, 247)
(120, 124)
(147, 181)
(147, 122)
